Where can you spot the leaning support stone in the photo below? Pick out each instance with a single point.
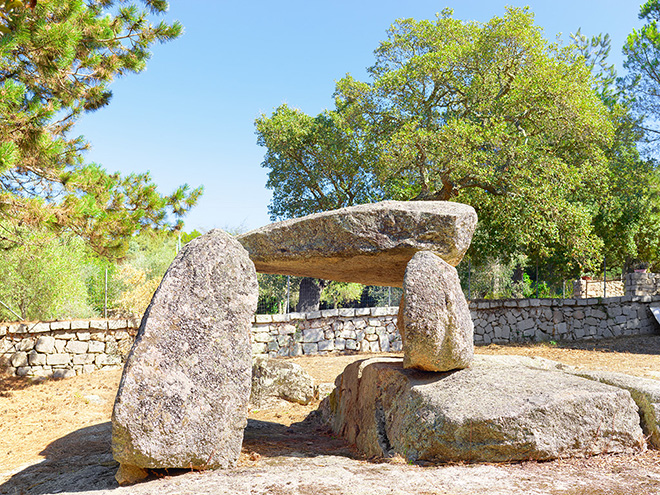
(434, 318)
(183, 396)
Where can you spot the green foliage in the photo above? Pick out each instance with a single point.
(316, 163)
(340, 294)
(642, 52)
(491, 115)
(515, 278)
(56, 63)
(44, 278)
(186, 237)
(273, 293)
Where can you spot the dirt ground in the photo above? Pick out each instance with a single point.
(55, 437)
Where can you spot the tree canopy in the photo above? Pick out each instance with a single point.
(57, 59)
(642, 52)
(490, 114)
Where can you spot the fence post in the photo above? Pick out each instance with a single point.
(604, 277)
(469, 279)
(288, 286)
(105, 296)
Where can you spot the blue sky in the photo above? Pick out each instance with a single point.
(189, 118)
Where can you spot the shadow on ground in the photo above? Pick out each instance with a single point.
(79, 461)
(638, 344)
(82, 460)
(9, 384)
(308, 438)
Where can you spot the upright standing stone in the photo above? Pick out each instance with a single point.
(183, 397)
(434, 317)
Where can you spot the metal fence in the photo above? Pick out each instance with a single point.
(286, 294)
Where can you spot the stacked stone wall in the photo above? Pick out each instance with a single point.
(347, 329)
(62, 349)
(594, 288)
(65, 348)
(535, 320)
(642, 284)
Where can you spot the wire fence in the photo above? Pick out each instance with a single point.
(288, 294)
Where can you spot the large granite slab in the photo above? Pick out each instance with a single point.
(370, 244)
(500, 409)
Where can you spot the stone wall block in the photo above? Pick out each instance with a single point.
(352, 345)
(259, 348)
(76, 347)
(310, 348)
(26, 344)
(40, 327)
(79, 324)
(19, 359)
(36, 359)
(326, 345)
(96, 347)
(83, 359)
(261, 337)
(272, 346)
(312, 335)
(58, 359)
(6, 346)
(98, 324)
(384, 343)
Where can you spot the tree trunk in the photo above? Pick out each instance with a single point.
(309, 295)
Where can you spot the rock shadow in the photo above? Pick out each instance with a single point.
(80, 461)
(636, 344)
(307, 438)
(9, 384)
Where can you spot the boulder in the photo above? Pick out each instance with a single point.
(644, 391)
(369, 244)
(183, 396)
(486, 413)
(278, 379)
(434, 318)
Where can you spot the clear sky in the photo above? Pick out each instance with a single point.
(189, 118)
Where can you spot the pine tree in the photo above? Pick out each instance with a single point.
(57, 60)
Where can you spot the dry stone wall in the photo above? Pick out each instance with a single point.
(68, 347)
(642, 284)
(347, 329)
(594, 288)
(537, 320)
(62, 349)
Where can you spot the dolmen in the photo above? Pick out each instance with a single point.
(184, 392)
(183, 397)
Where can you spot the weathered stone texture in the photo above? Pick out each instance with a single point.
(274, 379)
(183, 397)
(644, 391)
(491, 412)
(434, 317)
(370, 244)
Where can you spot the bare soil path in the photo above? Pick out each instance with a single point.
(55, 438)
